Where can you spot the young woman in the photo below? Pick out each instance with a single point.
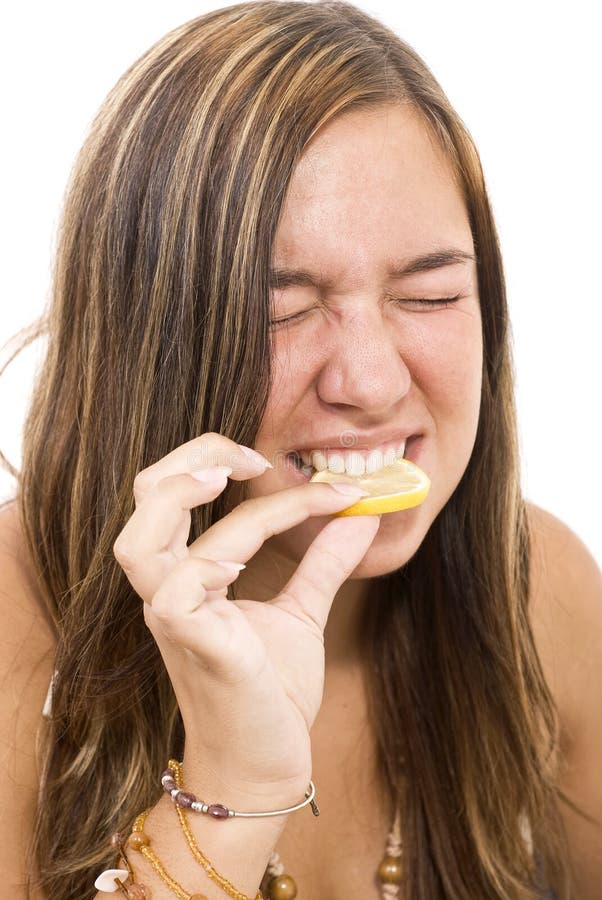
(277, 238)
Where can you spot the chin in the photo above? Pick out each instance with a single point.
(394, 545)
(398, 538)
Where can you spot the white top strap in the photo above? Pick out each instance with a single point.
(47, 709)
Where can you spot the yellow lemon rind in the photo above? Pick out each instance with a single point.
(406, 497)
(376, 506)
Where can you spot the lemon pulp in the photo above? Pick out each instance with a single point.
(401, 485)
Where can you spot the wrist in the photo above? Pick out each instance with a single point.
(212, 783)
(172, 781)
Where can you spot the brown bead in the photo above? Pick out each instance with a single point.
(282, 887)
(198, 897)
(138, 839)
(116, 840)
(389, 870)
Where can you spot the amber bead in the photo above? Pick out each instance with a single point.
(138, 839)
(389, 871)
(282, 887)
(198, 897)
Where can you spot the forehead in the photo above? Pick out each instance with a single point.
(371, 186)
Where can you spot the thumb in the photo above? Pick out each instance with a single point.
(328, 562)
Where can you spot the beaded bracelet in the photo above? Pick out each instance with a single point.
(122, 880)
(112, 880)
(186, 800)
(140, 841)
(198, 854)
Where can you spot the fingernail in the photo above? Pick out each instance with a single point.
(352, 489)
(255, 457)
(212, 473)
(231, 566)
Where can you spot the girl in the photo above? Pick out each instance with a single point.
(277, 254)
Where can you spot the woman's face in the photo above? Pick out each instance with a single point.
(365, 364)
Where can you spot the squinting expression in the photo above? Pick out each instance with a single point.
(358, 347)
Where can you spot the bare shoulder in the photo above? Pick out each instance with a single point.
(26, 664)
(561, 559)
(566, 616)
(566, 611)
(25, 635)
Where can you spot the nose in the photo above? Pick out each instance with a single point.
(365, 367)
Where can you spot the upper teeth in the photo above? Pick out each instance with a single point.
(352, 462)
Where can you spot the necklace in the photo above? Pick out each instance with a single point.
(277, 885)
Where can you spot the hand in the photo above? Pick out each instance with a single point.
(248, 675)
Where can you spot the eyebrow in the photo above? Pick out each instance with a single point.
(281, 278)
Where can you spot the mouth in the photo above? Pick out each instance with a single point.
(352, 463)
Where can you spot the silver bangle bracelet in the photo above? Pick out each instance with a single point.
(199, 806)
(186, 800)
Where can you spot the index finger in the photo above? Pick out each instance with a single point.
(241, 532)
(207, 450)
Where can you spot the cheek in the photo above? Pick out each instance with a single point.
(294, 368)
(445, 357)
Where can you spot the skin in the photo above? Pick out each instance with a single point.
(371, 188)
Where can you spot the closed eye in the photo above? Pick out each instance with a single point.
(277, 323)
(422, 301)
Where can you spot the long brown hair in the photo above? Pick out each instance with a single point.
(158, 330)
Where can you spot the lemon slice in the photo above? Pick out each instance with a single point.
(398, 486)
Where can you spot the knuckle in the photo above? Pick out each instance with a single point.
(165, 485)
(148, 618)
(158, 627)
(300, 609)
(143, 482)
(162, 605)
(321, 491)
(167, 615)
(249, 506)
(333, 560)
(205, 452)
(123, 554)
(265, 523)
(253, 504)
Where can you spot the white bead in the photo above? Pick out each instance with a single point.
(106, 880)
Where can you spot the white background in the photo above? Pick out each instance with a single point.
(524, 78)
